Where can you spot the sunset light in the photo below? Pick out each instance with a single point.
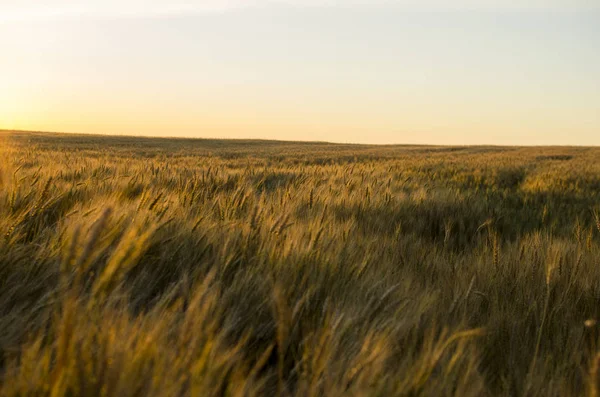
(372, 72)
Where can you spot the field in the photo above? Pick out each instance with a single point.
(174, 267)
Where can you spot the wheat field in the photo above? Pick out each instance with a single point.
(181, 267)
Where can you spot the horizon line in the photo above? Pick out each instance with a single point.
(182, 137)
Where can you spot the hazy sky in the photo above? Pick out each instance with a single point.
(429, 71)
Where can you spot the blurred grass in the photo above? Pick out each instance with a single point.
(136, 266)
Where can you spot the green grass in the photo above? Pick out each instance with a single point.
(169, 267)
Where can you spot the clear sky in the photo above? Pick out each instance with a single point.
(429, 71)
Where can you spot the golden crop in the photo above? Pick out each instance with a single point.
(179, 267)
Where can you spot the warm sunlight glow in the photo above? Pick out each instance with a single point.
(376, 72)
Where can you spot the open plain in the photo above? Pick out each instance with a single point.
(173, 267)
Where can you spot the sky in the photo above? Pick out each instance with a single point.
(396, 71)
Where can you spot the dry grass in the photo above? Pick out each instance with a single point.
(148, 267)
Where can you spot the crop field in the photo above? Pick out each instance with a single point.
(180, 267)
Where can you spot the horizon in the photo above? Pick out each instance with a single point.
(388, 72)
(298, 141)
